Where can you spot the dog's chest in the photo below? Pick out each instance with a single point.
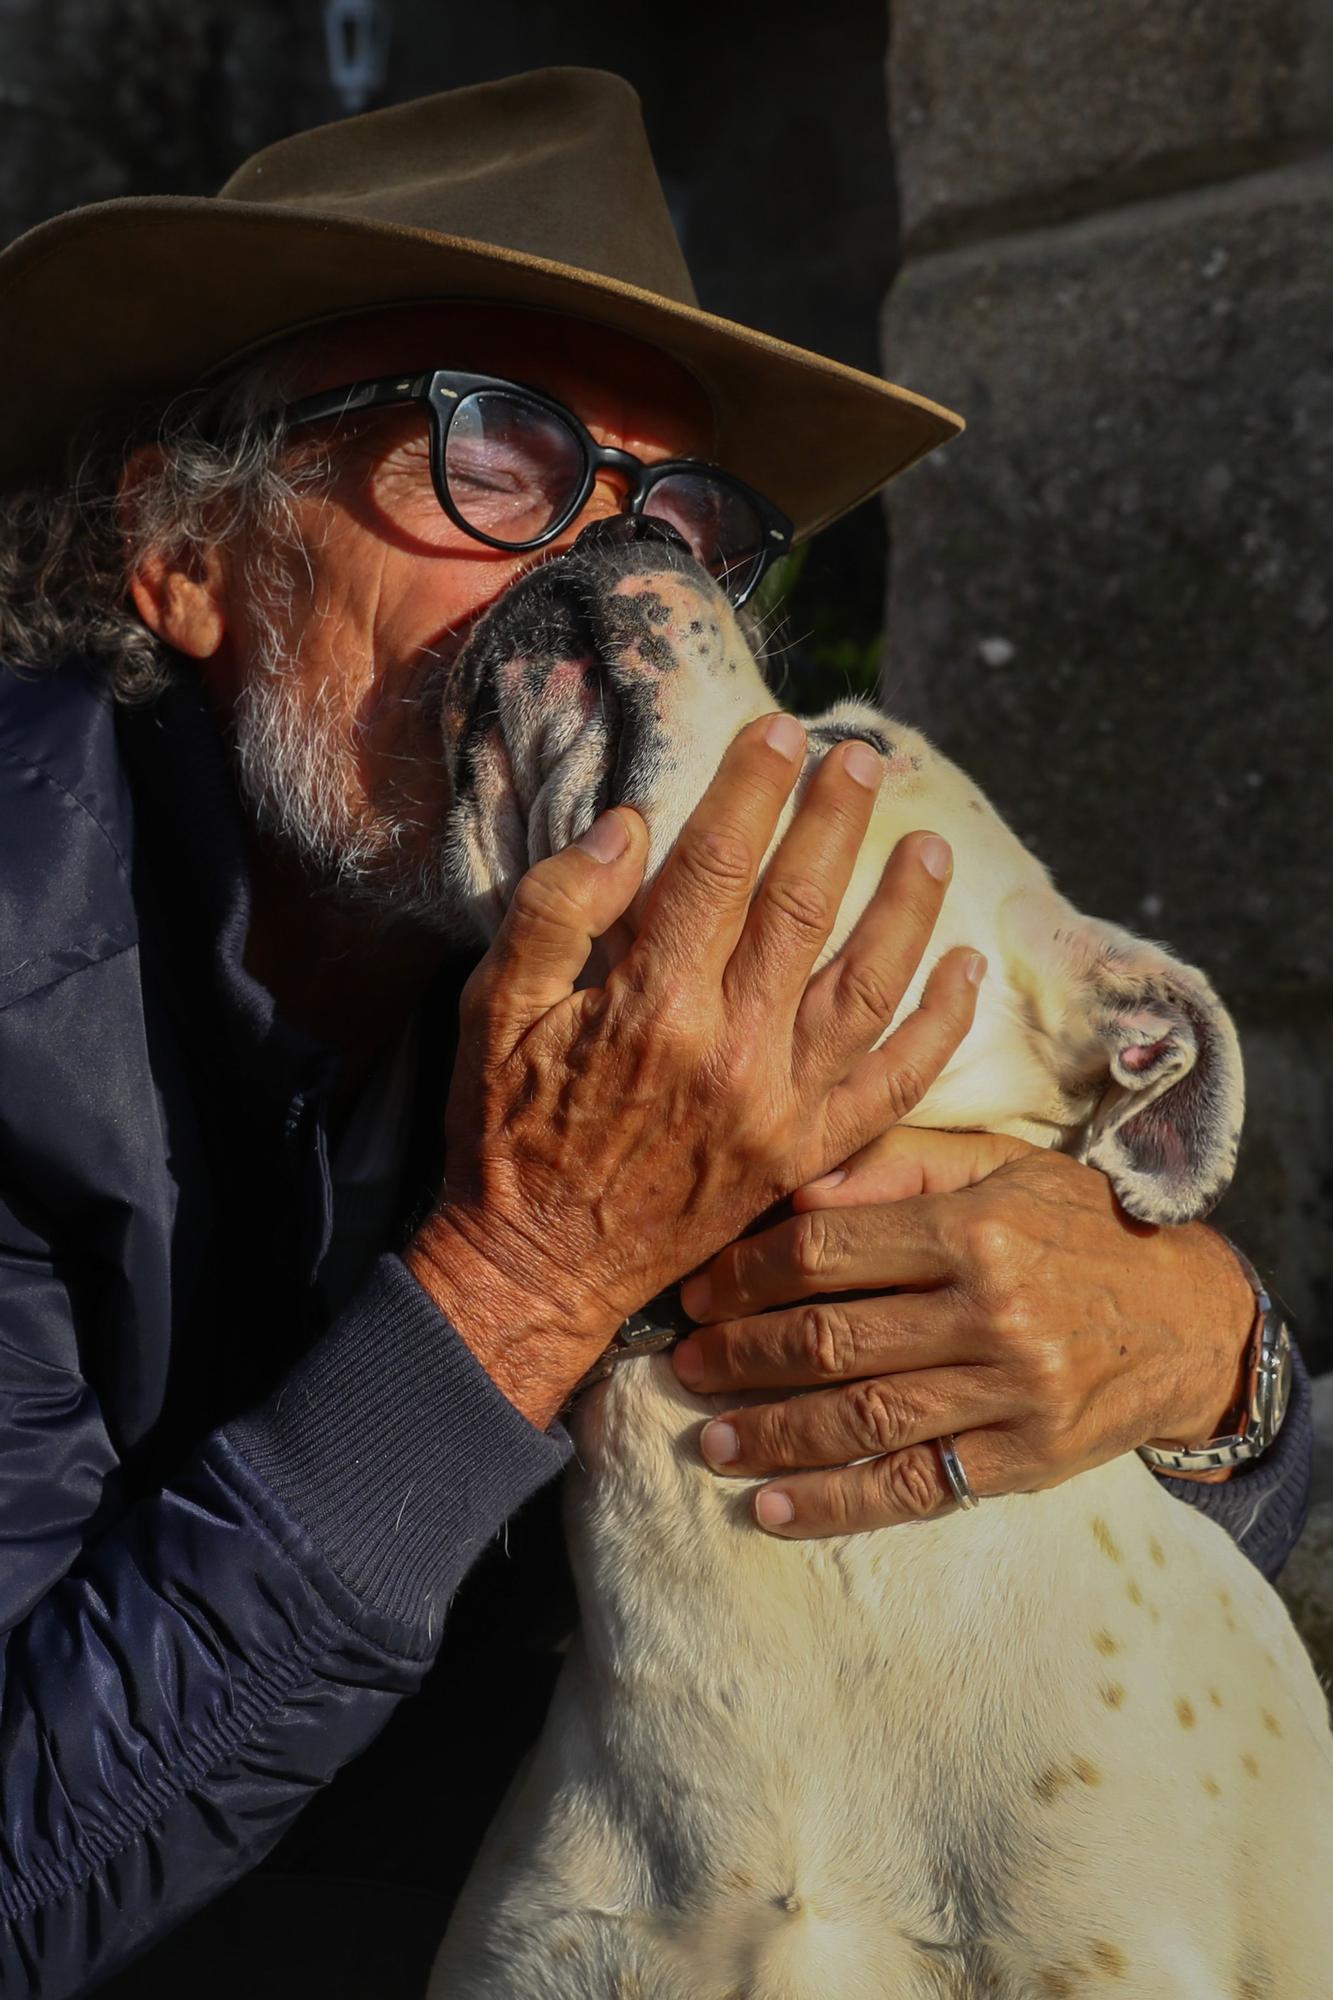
(938, 1731)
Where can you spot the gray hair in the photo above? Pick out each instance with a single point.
(69, 548)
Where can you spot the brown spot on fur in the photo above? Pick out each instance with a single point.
(1104, 1539)
(739, 1878)
(1056, 1984)
(1248, 1989)
(1251, 1763)
(1049, 1784)
(1214, 1697)
(1086, 1773)
(1224, 1599)
(566, 1947)
(1112, 1693)
(1110, 1959)
(1133, 1593)
(1185, 1715)
(1157, 1552)
(1271, 1723)
(1105, 1643)
(1211, 1786)
(1231, 1623)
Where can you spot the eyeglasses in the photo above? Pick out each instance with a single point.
(512, 468)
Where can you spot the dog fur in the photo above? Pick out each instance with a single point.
(1069, 1744)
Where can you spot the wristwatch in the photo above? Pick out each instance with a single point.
(1263, 1406)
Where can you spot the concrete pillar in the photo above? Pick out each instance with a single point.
(1111, 598)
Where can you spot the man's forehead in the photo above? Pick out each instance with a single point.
(608, 376)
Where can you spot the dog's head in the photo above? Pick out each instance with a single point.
(618, 673)
(614, 674)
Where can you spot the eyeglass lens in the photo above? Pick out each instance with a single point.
(513, 469)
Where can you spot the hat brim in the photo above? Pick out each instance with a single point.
(121, 301)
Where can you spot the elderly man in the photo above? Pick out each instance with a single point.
(269, 1381)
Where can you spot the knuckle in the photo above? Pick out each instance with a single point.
(763, 1436)
(870, 989)
(717, 860)
(909, 1483)
(540, 898)
(828, 1343)
(801, 903)
(1049, 1372)
(876, 1422)
(812, 1243)
(990, 1243)
(906, 1087)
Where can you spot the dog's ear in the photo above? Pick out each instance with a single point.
(1142, 1040)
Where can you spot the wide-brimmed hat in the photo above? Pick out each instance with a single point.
(538, 190)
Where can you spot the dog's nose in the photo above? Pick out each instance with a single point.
(618, 530)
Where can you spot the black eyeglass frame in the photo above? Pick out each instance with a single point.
(443, 391)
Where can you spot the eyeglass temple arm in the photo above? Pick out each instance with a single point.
(377, 395)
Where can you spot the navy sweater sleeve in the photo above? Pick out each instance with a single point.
(173, 1689)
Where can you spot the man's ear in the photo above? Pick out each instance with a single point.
(1147, 1039)
(179, 594)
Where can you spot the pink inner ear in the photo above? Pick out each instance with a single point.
(1141, 1056)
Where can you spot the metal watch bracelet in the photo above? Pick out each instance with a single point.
(1267, 1393)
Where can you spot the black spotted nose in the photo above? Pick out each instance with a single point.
(619, 530)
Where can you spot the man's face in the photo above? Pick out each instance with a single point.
(335, 693)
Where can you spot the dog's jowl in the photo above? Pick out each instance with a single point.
(1067, 1744)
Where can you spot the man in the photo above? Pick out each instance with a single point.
(268, 1386)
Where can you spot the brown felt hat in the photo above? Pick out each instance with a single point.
(537, 190)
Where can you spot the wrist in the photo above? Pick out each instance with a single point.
(534, 1341)
(1215, 1371)
(1219, 1390)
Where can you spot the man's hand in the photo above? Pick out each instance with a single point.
(602, 1140)
(1030, 1317)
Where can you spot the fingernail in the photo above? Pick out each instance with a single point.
(975, 969)
(829, 1180)
(863, 764)
(773, 1510)
(689, 1363)
(696, 1295)
(719, 1443)
(786, 735)
(936, 857)
(606, 838)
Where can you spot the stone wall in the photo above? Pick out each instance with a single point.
(1111, 598)
(103, 98)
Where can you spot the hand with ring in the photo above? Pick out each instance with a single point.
(963, 1288)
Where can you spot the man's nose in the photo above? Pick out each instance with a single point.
(618, 530)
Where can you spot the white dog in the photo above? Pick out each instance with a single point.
(1068, 1744)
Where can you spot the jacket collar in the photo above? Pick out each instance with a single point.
(188, 806)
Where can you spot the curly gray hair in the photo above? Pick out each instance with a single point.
(68, 549)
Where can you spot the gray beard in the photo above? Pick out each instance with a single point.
(296, 767)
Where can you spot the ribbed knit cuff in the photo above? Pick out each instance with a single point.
(395, 1450)
(1264, 1504)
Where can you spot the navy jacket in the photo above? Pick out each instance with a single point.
(230, 1527)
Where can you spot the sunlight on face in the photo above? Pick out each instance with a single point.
(337, 700)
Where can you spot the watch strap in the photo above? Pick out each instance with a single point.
(1268, 1368)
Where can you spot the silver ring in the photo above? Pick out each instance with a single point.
(954, 1473)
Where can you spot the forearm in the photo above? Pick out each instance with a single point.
(171, 1702)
